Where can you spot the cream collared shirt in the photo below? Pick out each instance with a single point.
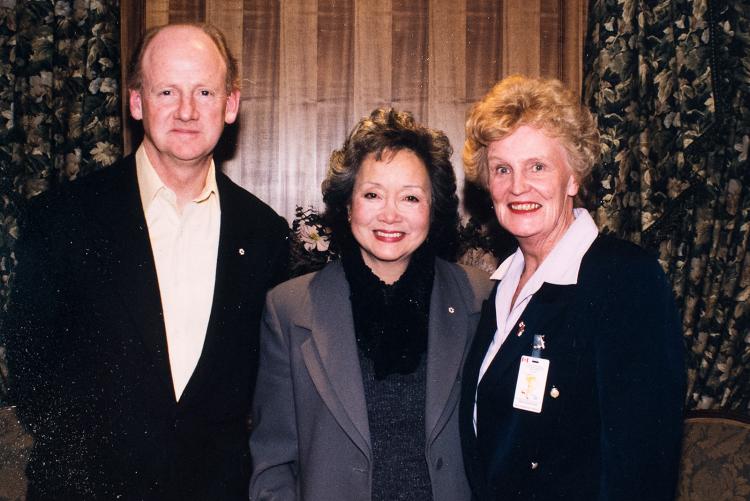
(185, 247)
(560, 267)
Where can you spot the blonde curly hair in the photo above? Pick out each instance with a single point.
(537, 102)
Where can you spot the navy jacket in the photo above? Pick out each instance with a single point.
(612, 430)
(87, 348)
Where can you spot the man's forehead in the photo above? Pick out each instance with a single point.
(181, 44)
(180, 39)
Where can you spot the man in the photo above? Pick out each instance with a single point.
(132, 330)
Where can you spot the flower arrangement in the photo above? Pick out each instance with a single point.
(310, 249)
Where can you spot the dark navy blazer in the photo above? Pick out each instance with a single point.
(87, 348)
(613, 429)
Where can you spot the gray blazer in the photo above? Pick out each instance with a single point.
(311, 439)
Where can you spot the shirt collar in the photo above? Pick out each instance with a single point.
(150, 184)
(562, 264)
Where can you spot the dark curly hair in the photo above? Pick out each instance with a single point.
(385, 132)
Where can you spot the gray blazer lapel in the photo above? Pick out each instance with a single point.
(331, 354)
(448, 336)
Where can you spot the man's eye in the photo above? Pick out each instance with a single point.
(205, 93)
(537, 167)
(166, 93)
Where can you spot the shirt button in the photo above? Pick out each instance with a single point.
(534, 465)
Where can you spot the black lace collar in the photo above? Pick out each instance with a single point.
(391, 321)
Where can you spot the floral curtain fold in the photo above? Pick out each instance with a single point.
(60, 113)
(669, 82)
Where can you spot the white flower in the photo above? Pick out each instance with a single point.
(311, 238)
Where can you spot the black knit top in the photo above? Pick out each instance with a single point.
(391, 327)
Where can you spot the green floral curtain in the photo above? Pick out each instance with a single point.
(670, 83)
(59, 103)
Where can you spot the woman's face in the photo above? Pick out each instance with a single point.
(532, 187)
(390, 211)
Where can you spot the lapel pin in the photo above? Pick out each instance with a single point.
(451, 309)
(539, 343)
(554, 392)
(241, 251)
(521, 328)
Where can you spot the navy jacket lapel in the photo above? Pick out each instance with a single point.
(543, 316)
(483, 338)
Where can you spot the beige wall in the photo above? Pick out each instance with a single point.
(312, 68)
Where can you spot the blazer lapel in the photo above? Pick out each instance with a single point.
(482, 339)
(331, 356)
(237, 256)
(543, 316)
(449, 318)
(129, 263)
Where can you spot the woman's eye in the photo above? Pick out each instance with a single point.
(537, 167)
(411, 198)
(501, 169)
(166, 93)
(370, 196)
(205, 93)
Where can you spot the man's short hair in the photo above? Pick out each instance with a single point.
(135, 67)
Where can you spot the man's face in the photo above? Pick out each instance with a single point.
(183, 100)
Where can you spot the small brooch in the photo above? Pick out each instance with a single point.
(521, 328)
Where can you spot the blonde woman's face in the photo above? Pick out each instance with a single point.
(532, 186)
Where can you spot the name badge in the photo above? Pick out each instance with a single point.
(532, 379)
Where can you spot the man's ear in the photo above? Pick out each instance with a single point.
(233, 106)
(136, 105)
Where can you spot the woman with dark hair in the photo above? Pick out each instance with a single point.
(574, 385)
(359, 366)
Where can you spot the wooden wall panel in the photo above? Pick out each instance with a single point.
(259, 139)
(373, 55)
(410, 56)
(521, 38)
(447, 82)
(157, 12)
(483, 53)
(298, 78)
(312, 68)
(185, 11)
(334, 86)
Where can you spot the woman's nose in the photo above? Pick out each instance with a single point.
(389, 213)
(518, 183)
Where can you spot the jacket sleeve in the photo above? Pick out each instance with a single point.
(640, 383)
(273, 441)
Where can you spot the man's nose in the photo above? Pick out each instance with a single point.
(187, 109)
